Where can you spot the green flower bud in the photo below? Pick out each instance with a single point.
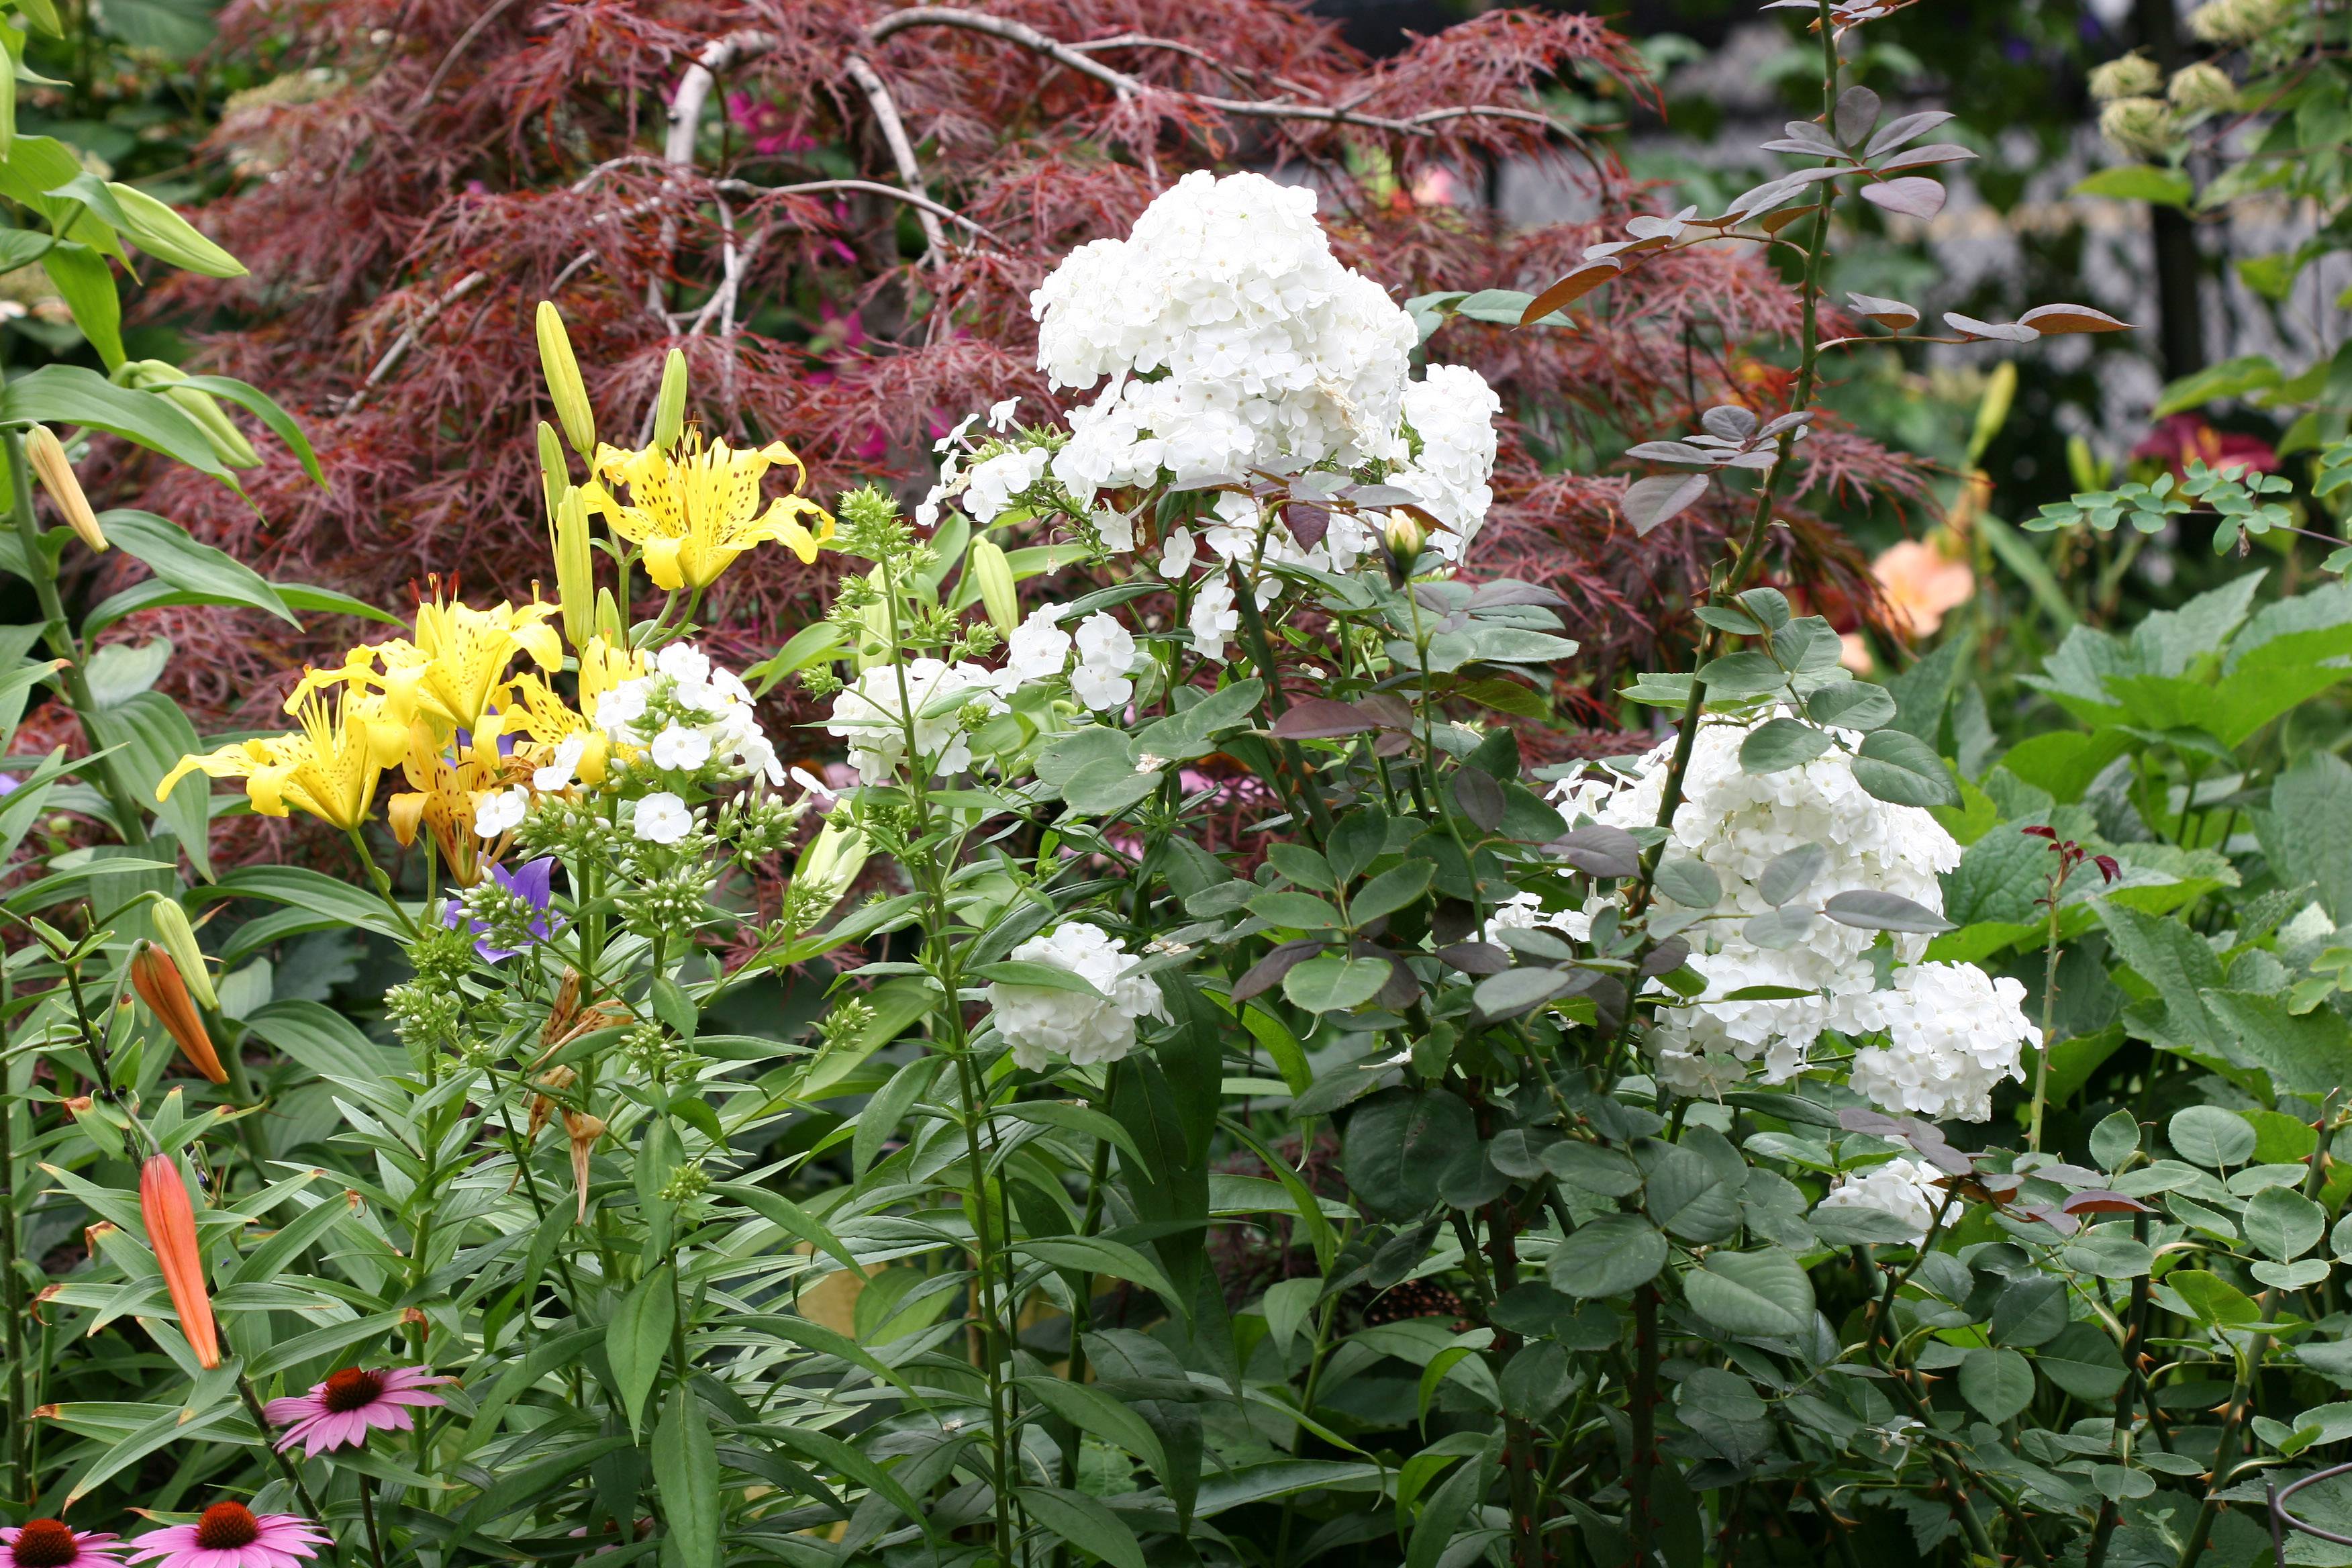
(669, 408)
(564, 388)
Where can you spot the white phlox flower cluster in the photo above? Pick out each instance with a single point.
(1232, 340)
(871, 716)
(1039, 651)
(685, 714)
(1040, 1023)
(1903, 1186)
(1951, 1031)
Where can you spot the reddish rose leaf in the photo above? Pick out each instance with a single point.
(2099, 1200)
(1570, 289)
(1891, 313)
(1268, 971)
(1651, 502)
(1320, 719)
(2070, 319)
(1968, 326)
(1912, 196)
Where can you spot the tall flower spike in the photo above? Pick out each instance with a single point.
(171, 1221)
(157, 980)
(329, 767)
(694, 511)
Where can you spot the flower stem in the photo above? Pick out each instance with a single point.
(310, 1507)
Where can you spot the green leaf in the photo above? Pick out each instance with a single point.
(2310, 1054)
(2214, 1299)
(1870, 909)
(2138, 183)
(1084, 1523)
(1852, 705)
(878, 1121)
(35, 165)
(2209, 1136)
(638, 1338)
(1451, 1506)
(1997, 1383)
(685, 1481)
(1333, 985)
(305, 889)
(1089, 1409)
(1096, 1255)
(87, 284)
(1389, 892)
(1779, 744)
(325, 1042)
(217, 577)
(281, 423)
(2230, 378)
(1608, 1257)
(2309, 828)
(1904, 769)
(152, 735)
(2283, 1223)
(1044, 976)
(1302, 911)
(2082, 1360)
(790, 1218)
(1396, 1145)
(1763, 1294)
(69, 394)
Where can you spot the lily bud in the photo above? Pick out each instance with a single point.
(564, 388)
(179, 939)
(48, 455)
(164, 378)
(575, 569)
(157, 980)
(994, 575)
(554, 473)
(669, 408)
(608, 620)
(171, 1221)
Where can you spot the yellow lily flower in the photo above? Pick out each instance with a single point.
(329, 767)
(549, 722)
(443, 794)
(454, 670)
(694, 511)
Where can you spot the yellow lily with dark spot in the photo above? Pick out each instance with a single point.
(455, 668)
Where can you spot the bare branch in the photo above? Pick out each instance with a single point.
(902, 152)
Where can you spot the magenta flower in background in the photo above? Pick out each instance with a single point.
(231, 1535)
(339, 1413)
(52, 1544)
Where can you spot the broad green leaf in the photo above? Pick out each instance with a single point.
(2082, 1360)
(2283, 1223)
(2213, 1298)
(69, 394)
(1762, 1295)
(1608, 1257)
(2209, 1136)
(1904, 769)
(1333, 985)
(86, 283)
(1397, 1144)
(636, 1339)
(167, 549)
(1997, 1383)
(1084, 1523)
(1091, 1410)
(686, 1481)
(1779, 744)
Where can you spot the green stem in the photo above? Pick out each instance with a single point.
(57, 630)
(15, 1484)
(2049, 1013)
(310, 1507)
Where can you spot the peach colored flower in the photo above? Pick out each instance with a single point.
(1921, 583)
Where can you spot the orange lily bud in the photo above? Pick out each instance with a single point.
(171, 1221)
(48, 455)
(157, 980)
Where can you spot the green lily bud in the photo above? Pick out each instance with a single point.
(564, 388)
(669, 408)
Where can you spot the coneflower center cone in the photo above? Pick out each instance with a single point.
(354, 1388)
(44, 1543)
(226, 1526)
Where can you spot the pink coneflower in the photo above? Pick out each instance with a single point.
(231, 1535)
(52, 1544)
(337, 1413)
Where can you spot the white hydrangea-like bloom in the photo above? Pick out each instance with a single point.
(1952, 1033)
(661, 818)
(1738, 823)
(1452, 410)
(1903, 1186)
(868, 715)
(500, 810)
(1043, 1022)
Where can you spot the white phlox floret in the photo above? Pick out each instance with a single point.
(872, 718)
(686, 714)
(1903, 1186)
(1041, 1023)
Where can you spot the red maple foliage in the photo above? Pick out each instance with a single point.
(837, 208)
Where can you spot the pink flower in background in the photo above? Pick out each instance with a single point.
(2184, 439)
(339, 1413)
(230, 1535)
(1921, 583)
(52, 1544)
(765, 123)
